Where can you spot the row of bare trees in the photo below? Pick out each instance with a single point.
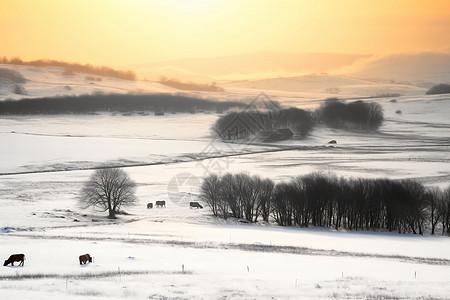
(239, 196)
(329, 201)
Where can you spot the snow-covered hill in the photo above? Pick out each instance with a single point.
(52, 81)
(326, 86)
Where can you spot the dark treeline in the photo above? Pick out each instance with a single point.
(73, 67)
(354, 115)
(439, 89)
(190, 86)
(246, 124)
(321, 200)
(357, 115)
(114, 102)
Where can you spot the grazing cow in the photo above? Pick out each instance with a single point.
(160, 203)
(85, 258)
(149, 205)
(195, 204)
(13, 258)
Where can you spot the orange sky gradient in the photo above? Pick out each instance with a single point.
(124, 32)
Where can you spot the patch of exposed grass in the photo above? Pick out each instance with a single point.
(90, 275)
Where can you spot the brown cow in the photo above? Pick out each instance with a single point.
(195, 204)
(85, 258)
(13, 258)
(160, 203)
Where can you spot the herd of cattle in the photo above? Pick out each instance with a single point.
(84, 259)
(163, 204)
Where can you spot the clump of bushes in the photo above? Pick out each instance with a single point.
(439, 89)
(247, 124)
(322, 200)
(190, 86)
(19, 90)
(357, 115)
(11, 75)
(354, 115)
(297, 120)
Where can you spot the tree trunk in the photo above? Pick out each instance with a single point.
(112, 214)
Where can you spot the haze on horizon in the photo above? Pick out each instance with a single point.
(123, 33)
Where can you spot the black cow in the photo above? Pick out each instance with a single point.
(195, 204)
(13, 258)
(160, 203)
(85, 258)
(149, 205)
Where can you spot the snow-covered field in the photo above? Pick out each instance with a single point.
(182, 253)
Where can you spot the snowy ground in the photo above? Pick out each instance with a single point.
(181, 253)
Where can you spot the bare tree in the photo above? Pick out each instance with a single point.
(265, 198)
(108, 189)
(433, 198)
(248, 189)
(444, 210)
(210, 193)
(282, 200)
(415, 204)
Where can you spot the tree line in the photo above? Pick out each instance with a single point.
(72, 67)
(247, 124)
(112, 102)
(439, 89)
(316, 199)
(356, 115)
(190, 86)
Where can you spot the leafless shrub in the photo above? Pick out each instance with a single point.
(19, 90)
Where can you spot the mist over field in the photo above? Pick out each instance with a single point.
(423, 68)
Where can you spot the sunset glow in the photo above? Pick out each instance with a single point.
(118, 33)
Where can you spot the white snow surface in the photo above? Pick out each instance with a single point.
(175, 252)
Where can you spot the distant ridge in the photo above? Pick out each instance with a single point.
(249, 66)
(424, 69)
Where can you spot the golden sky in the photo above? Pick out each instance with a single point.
(124, 32)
